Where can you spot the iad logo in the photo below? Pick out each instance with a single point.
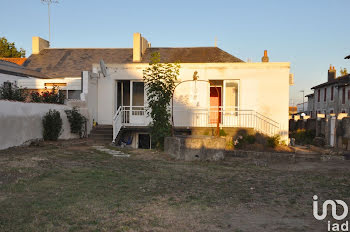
(333, 204)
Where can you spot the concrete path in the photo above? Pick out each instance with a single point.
(114, 153)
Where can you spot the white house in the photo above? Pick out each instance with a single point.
(11, 72)
(48, 63)
(250, 95)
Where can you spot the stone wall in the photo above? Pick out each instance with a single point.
(192, 148)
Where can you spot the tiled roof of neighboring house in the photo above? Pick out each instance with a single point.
(309, 95)
(18, 61)
(340, 81)
(10, 68)
(70, 62)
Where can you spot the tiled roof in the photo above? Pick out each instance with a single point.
(17, 70)
(55, 62)
(18, 61)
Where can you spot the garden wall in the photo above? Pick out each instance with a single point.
(22, 122)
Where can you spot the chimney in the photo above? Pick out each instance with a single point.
(331, 73)
(39, 44)
(265, 58)
(140, 44)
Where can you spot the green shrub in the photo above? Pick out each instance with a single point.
(76, 121)
(52, 124)
(222, 132)
(273, 141)
(53, 96)
(250, 139)
(303, 136)
(35, 97)
(10, 91)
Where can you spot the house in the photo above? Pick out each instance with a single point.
(251, 95)
(48, 63)
(331, 97)
(18, 61)
(11, 72)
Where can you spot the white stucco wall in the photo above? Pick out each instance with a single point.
(263, 87)
(22, 122)
(10, 78)
(73, 83)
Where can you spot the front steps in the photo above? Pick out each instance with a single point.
(102, 134)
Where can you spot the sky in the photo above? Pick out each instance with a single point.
(310, 34)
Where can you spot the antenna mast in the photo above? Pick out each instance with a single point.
(49, 2)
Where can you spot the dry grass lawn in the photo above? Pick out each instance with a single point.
(69, 186)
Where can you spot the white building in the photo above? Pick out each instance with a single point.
(251, 95)
(10, 72)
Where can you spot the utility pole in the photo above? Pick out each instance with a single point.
(49, 2)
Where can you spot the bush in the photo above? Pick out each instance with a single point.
(52, 124)
(243, 140)
(52, 97)
(303, 136)
(35, 96)
(222, 132)
(273, 141)
(10, 91)
(76, 121)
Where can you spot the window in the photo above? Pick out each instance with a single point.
(348, 94)
(332, 93)
(331, 111)
(325, 94)
(343, 96)
(231, 94)
(318, 95)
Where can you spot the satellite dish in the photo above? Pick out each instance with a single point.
(103, 68)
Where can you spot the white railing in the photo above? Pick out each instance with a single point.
(117, 122)
(198, 117)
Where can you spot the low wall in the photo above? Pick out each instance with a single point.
(22, 122)
(191, 148)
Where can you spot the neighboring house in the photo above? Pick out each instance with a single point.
(310, 105)
(251, 95)
(18, 61)
(331, 97)
(302, 108)
(48, 62)
(11, 72)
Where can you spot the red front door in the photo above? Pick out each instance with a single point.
(215, 102)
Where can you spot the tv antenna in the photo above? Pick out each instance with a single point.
(49, 2)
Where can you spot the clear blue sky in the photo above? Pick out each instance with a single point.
(311, 34)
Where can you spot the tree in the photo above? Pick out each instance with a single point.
(160, 81)
(9, 50)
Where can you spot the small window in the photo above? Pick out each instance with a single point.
(318, 95)
(332, 93)
(343, 96)
(325, 94)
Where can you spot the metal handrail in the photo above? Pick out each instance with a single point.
(229, 116)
